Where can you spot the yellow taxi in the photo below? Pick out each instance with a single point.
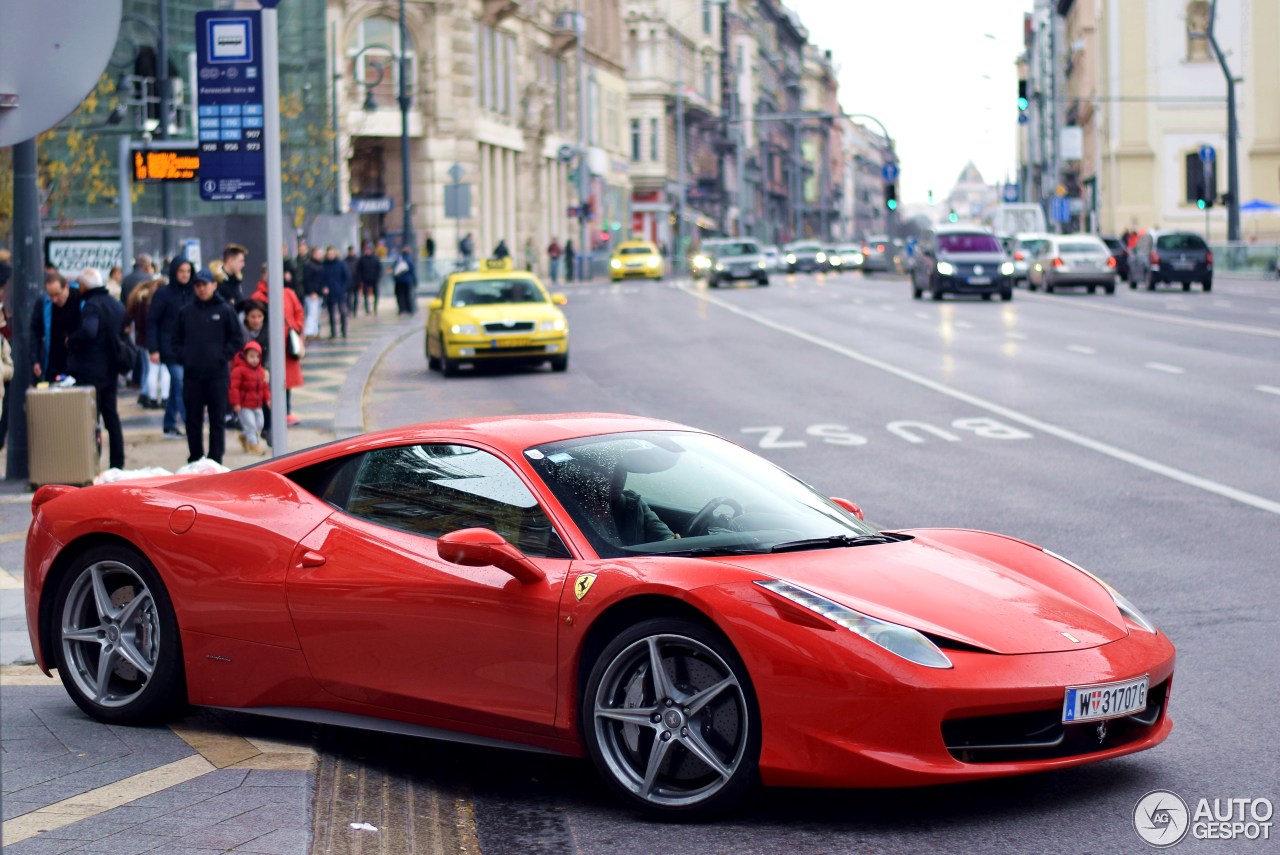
(495, 314)
(635, 259)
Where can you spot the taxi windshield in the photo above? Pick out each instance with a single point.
(636, 250)
(485, 292)
(659, 492)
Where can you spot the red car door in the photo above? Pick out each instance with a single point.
(383, 620)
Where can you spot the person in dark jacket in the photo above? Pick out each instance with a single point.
(337, 280)
(406, 279)
(233, 259)
(162, 326)
(314, 285)
(55, 318)
(92, 359)
(368, 272)
(207, 338)
(500, 251)
(353, 291)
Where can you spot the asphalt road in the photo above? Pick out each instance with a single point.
(1136, 434)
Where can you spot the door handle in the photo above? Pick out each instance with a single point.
(313, 559)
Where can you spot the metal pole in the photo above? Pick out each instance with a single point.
(406, 187)
(333, 101)
(1233, 172)
(681, 194)
(584, 175)
(162, 132)
(275, 229)
(27, 280)
(125, 189)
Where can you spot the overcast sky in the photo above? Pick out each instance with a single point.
(939, 74)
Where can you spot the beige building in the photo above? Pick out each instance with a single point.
(1145, 89)
(493, 101)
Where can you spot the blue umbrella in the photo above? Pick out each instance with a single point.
(1258, 206)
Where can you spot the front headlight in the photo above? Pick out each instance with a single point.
(945, 268)
(655, 262)
(761, 264)
(820, 257)
(1007, 268)
(791, 258)
(857, 258)
(551, 326)
(719, 266)
(836, 261)
(464, 329)
(701, 262)
(897, 639)
(1127, 609)
(615, 264)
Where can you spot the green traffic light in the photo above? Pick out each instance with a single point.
(1023, 103)
(1200, 204)
(952, 217)
(892, 204)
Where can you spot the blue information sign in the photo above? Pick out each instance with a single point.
(229, 106)
(889, 171)
(1207, 153)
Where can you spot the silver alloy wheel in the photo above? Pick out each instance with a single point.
(110, 633)
(671, 720)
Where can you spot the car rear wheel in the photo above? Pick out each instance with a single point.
(1110, 288)
(1151, 282)
(763, 281)
(115, 637)
(671, 720)
(1208, 285)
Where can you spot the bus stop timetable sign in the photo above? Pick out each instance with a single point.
(229, 105)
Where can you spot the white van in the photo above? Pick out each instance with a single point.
(1009, 220)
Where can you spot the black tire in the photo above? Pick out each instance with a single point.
(936, 294)
(1006, 295)
(560, 363)
(986, 297)
(713, 282)
(915, 293)
(1031, 286)
(1151, 282)
(763, 281)
(623, 697)
(1110, 288)
(1133, 284)
(121, 623)
(1186, 286)
(1048, 287)
(1093, 289)
(1208, 285)
(448, 367)
(433, 363)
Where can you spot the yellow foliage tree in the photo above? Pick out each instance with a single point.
(308, 173)
(75, 166)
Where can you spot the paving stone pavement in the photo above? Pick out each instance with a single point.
(213, 782)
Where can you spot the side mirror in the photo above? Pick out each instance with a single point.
(848, 506)
(435, 304)
(482, 547)
(560, 299)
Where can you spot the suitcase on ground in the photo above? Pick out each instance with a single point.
(62, 445)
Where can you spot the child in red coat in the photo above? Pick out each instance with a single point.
(248, 394)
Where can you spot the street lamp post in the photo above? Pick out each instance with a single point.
(1233, 170)
(682, 192)
(406, 187)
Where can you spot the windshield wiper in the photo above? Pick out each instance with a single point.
(705, 551)
(834, 541)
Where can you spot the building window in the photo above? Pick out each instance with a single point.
(377, 46)
(1198, 48)
(653, 140)
(635, 140)
(706, 17)
(509, 106)
(707, 81)
(562, 101)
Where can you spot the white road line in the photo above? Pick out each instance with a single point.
(1167, 369)
(1018, 335)
(923, 316)
(1223, 304)
(1270, 390)
(1065, 434)
(964, 325)
(1080, 348)
(1221, 326)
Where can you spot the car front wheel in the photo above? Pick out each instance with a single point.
(116, 641)
(671, 720)
(448, 367)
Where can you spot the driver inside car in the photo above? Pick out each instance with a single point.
(621, 515)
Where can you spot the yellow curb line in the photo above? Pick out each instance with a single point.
(8, 580)
(25, 675)
(104, 798)
(12, 536)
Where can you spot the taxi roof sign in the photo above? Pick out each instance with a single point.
(495, 264)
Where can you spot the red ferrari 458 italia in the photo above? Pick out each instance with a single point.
(685, 613)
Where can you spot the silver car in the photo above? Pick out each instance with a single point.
(1022, 249)
(1073, 261)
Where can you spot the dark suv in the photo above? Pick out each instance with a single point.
(1171, 256)
(962, 260)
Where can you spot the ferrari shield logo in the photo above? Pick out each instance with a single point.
(583, 585)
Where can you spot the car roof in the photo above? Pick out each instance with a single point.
(510, 434)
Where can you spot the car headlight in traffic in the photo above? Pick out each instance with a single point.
(1007, 268)
(945, 268)
(857, 258)
(551, 326)
(761, 264)
(899, 640)
(1127, 609)
(820, 257)
(464, 329)
(791, 258)
(655, 262)
(719, 266)
(836, 260)
(615, 264)
(701, 262)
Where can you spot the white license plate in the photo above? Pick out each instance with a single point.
(1105, 700)
(979, 280)
(1183, 265)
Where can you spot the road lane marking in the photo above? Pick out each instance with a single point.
(105, 798)
(8, 581)
(1018, 335)
(1120, 454)
(1220, 326)
(1080, 348)
(1166, 368)
(964, 325)
(1270, 390)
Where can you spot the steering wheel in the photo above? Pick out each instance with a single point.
(702, 519)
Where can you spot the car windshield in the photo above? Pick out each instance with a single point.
(636, 250)
(971, 242)
(804, 247)
(634, 493)
(1179, 242)
(484, 292)
(726, 250)
(1114, 244)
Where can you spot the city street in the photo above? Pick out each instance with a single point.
(1134, 434)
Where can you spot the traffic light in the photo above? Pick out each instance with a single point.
(1202, 181)
(1023, 103)
(953, 217)
(891, 196)
(930, 197)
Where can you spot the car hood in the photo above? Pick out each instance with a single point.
(506, 312)
(947, 591)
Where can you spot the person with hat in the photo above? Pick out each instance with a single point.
(248, 395)
(207, 338)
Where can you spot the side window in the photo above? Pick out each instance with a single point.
(432, 490)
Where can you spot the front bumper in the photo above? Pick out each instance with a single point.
(529, 347)
(1081, 278)
(645, 272)
(964, 284)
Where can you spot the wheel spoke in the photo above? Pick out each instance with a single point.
(657, 753)
(699, 748)
(106, 664)
(88, 634)
(635, 715)
(101, 598)
(700, 699)
(662, 687)
(130, 654)
(127, 613)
